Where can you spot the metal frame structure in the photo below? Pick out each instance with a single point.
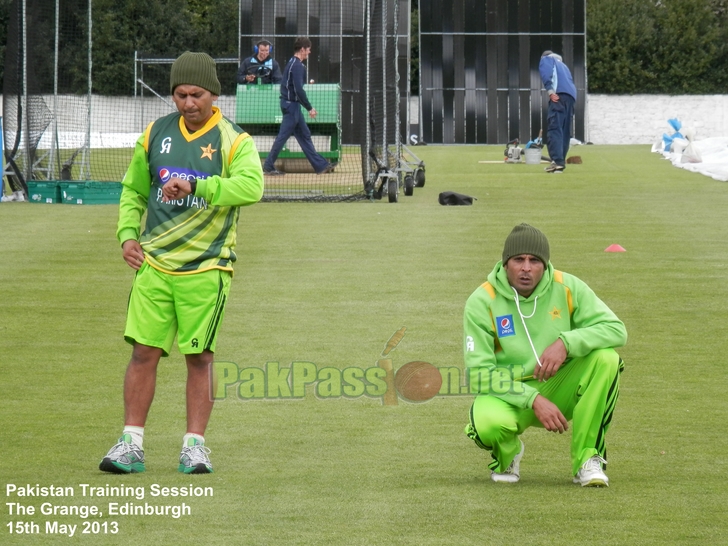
(393, 165)
(47, 165)
(350, 54)
(357, 45)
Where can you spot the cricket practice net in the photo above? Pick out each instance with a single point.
(57, 126)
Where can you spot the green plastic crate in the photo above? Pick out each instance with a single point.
(90, 193)
(258, 112)
(256, 104)
(44, 192)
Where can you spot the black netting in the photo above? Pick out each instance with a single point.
(46, 94)
(55, 128)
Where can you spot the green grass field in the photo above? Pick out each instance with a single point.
(328, 284)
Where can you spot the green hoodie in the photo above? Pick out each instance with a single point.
(498, 353)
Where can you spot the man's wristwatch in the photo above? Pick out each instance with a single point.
(193, 187)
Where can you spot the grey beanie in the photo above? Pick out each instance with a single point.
(549, 53)
(525, 239)
(195, 69)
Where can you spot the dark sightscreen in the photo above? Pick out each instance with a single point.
(479, 80)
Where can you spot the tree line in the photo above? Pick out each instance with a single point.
(657, 46)
(153, 28)
(633, 46)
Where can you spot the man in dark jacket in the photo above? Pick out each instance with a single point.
(292, 98)
(261, 65)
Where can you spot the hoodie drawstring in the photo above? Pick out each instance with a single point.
(523, 320)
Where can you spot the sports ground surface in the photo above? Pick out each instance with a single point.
(328, 285)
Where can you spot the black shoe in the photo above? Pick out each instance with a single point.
(329, 168)
(273, 172)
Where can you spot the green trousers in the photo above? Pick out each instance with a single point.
(585, 389)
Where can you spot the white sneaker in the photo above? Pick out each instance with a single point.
(194, 458)
(513, 472)
(15, 196)
(124, 458)
(591, 474)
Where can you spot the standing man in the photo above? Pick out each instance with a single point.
(261, 65)
(539, 350)
(560, 86)
(190, 173)
(292, 98)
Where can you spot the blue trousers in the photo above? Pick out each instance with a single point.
(294, 124)
(558, 132)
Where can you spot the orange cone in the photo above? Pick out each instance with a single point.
(614, 248)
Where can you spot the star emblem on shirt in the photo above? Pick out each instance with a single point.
(555, 313)
(207, 152)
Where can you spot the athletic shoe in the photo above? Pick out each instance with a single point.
(329, 168)
(591, 474)
(554, 168)
(193, 459)
(124, 458)
(273, 172)
(513, 472)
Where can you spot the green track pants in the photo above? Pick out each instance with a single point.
(585, 389)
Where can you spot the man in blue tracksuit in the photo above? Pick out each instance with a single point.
(560, 86)
(292, 98)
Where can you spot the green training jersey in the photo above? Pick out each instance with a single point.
(198, 232)
(501, 343)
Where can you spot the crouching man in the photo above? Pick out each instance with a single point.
(539, 350)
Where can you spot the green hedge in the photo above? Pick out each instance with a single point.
(665, 46)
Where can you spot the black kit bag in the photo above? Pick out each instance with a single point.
(452, 198)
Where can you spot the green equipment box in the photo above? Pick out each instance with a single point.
(44, 192)
(74, 193)
(258, 112)
(90, 193)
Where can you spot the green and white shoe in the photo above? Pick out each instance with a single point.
(124, 458)
(194, 458)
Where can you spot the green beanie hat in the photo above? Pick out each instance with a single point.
(195, 69)
(525, 239)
